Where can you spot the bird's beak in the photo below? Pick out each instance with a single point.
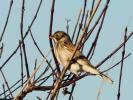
(51, 37)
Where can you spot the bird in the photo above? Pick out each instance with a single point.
(64, 49)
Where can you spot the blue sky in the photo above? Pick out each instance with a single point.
(119, 15)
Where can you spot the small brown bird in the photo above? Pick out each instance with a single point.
(63, 49)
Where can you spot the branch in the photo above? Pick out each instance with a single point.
(22, 39)
(93, 47)
(50, 32)
(14, 52)
(116, 64)
(114, 51)
(28, 84)
(35, 43)
(121, 69)
(8, 87)
(76, 25)
(4, 91)
(1, 50)
(81, 23)
(11, 3)
(12, 87)
(73, 86)
(96, 23)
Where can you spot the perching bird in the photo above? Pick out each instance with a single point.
(64, 49)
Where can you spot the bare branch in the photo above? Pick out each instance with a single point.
(122, 62)
(14, 52)
(81, 23)
(116, 63)
(50, 33)
(114, 51)
(1, 50)
(21, 57)
(73, 86)
(8, 87)
(4, 91)
(22, 39)
(9, 11)
(96, 38)
(76, 25)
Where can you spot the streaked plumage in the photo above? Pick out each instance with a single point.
(64, 49)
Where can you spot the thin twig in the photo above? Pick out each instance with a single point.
(122, 62)
(34, 69)
(73, 86)
(67, 26)
(12, 86)
(76, 25)
(46, 69)
(14, 52)
(16, 89)
(1, 50)
(8, 87)
(44, 79)
(4, 91)
(116, 64)
(35, 43)
(25, 87)
(22, 39)
(86, 17)
(50, 33)
(96, 23)
(9, 11)
(97, 36)
(21, 57)
(27, 83)
(38, 98)
(81, 23)
(114, 51)
(92, 7)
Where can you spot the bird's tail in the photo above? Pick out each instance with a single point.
(92, 70)
(106, 78)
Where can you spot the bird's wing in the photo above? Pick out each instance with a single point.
(78, 54)
(69, 46)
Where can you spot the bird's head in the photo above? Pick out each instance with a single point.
(60, 36)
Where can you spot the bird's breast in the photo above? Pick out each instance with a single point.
(62, 54)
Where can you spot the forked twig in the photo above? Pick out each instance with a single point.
(122, 62)
(116, 64)
(12, 87)
(14, 52)
(8, 87)
(73, 86)
(114, 51)
(35, 43)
